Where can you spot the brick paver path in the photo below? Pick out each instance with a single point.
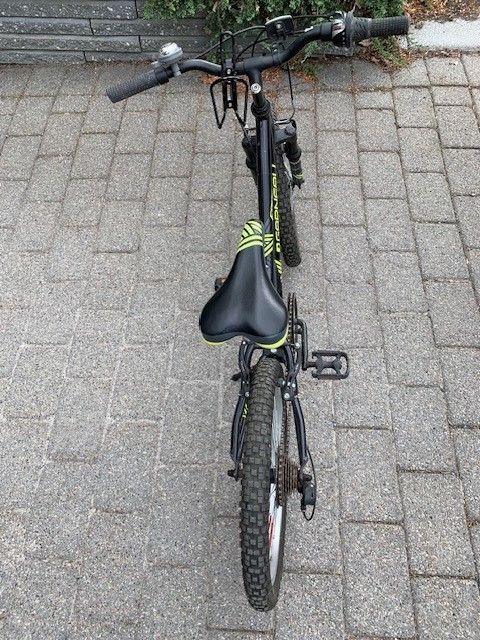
(117, 516)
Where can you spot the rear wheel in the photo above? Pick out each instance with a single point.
(263, 519)
(288, 227)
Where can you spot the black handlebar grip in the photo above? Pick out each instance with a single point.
(135, 85)
(364, 28)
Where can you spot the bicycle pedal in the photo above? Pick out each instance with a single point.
(218, 283)
(329, 365)
(309, 495)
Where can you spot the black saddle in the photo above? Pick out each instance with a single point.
(246, 304)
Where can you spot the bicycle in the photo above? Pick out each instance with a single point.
(248, 302)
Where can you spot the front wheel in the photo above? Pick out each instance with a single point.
(263, 519)
(288, 228)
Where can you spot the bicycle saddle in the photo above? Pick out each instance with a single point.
(246, 304)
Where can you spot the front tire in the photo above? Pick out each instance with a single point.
(288, 228)
(262, 524)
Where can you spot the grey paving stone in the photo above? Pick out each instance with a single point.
(440, 251)
(209, 138)
(152, 312)
(93, 156)
(467, 446)
(411, 355)
(374, 100)
(368, 76)
(244, 201)
(304, 100)
(231, 609)
(30, 116)
(72, 253)
(211, 175)
(125, 467)
(83, 203)
(414, 107)
(197, 279)
(468, 214)
(194, 404)
(451, 96)
(110, 74)
(8, 106)
(310, 607)
(461, 372)
(96, 345)
(14, 80)
(337, 154)
(458, 127)
(11, 198)
(317, 410)
(80, 419)
(336, 209)
(382, 175)
(309, 189)
(475, 537)
(18, 156)
(70, 104)
(49, 179)
(103, 630)
(61, 134)
(399, 284)
(120, 225)
(346, 255)
(415, 75)
(139, 392)
(20, 278)
(420, 426)
(129, 177)
(36, 225)
(176, 492)
(362, 399)
(474, 260)
(377, 589)
(334, 111)
(335, 75)
(37, 381)
(193, 359)
(173, 155)
(79, 80)
(166, 204)
(446, 71)
(429, 197)
(472, 68)
(307, 215)
(161, 253)
(376, 130)
(173, 604)
(137, 134)
(178, 112)
(437, 535)
(305, 126)
(53, 315)
(314, 546)
(367, 476)
(46, 81)
(12, 327)
(420, 150)
(454, 314)
(447, 609)
(462, 171)
(389, 227)
(22, 457)
(111, 585)
(111, 281)
(352, 316)
(102, 116)
(203, 217)
(58, 522)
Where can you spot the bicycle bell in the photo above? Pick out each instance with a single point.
(170, 55)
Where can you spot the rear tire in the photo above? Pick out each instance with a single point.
(288, 227)
(262, 521)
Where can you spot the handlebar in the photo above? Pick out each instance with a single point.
(343, 31)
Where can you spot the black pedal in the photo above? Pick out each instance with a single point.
(218, 283)
(329, 365)
(309, 495)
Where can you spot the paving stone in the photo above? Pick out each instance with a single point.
(35, 228)
(420, 426)
(337, 154)
(440, 251)
(161, 253)
(462, 171)
(58, 522)
(49, 179)
(83, 203)
(309, 189)
(377, 589)
(346, 255)
(472, 68)
(96, 345)
(474, 260)
(166, 204)
(334, 111)
(335, 75)
(8, 106)
(467, 446)
(178, 112)
(429, 197)
(177, 491)
(318, 414)
(454, 314)
(335, 208)
(79, 80)
(414, 108)
(152, 312)
(111, 281)
(437, 535)
(110, 74)
(14, 80)
(461, 372)
(398, 281)
(307, 216)
(173, 155)
(22, 459)
(72, 253)
(374, 100)
(475, 537)
(446, 71)
(468, 214)
(376, 130)
(173, 604)
(209, 138)
(18, 156)
(120, 225)
(304, 100)
(93, 156)
(410, 351)
(389, 227)
(80, 419)
(102, 116)
(70, 104)
(203, 217)
(46, 81)
(103, 630)
(415, 75)
(369, 76)
(11, 198)
(231, 608)
(310, 291)
(211, 176)
(193, 359)
(12, 327)
(20, 278)
(137, 168)
(458, 127)
(420, 150)
(137, 134)
(244, 201)
(30, 116)
(61, 134)
(111, 585)
(367, 476)
(451, 96)
(382, 175)
(362, 399)
(446, 608)
(352, 316)
(37, 381)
